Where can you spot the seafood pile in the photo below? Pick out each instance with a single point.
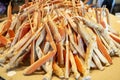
(58, 37)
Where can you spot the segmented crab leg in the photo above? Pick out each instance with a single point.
(96, 50)
(15, 60)
(24, 30)
(74, 67)
(101, 57)
(38, 42)
(80, 65)
(87, 39)
(54, 30)
(25, 46)
(88, 57)
(67, 57)
(97, 61)
(104, 33)
(18, 45)
(80, 43)
(71, 22)
(103, 50)
(24, 14)
(42, 60)
(105, 43)
(48, 65)
(74, 44)
(60, 46)
(18, 33)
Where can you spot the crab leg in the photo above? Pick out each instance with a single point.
(117, 45)
(46, 47)
(6, 26)
(25, 46)
(19, 33)
(24, 30)
(3, 41)
(42, 60)
(101, 57)
(57, 70)
(14, 61)
(74, 67)
(87, 41)
(60, 46)
(103, 50)
(115, 37)
(49, 70)
(15, 47)
(88, 57)
(24, 14)
(71, 22)
(32, 54)
(54, 30)
(38, 42)
(80, 43)
(74, 44)
(105, 43)
(56, 36)
(92, 65)
(48, 65)
(97, 61)
(67, 57)
(103, 32)
(79, 63)
(96, 50)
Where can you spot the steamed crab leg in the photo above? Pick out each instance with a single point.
(87, 41)
(73, 43)
(96, 50)
(42, 60)
(80, 43)
(48, 65)
(103, 50)
(38, 42)
(88, 57)
(103, 32)
(20, 33)
(58, 39)
(57, 70)
(15, 47)
(74, 67)
(48, 69)
(60, 46)
(67, 57)
(15, 60)
(20, 52)
(80, 65)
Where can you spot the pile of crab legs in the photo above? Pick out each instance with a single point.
(59, 37)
